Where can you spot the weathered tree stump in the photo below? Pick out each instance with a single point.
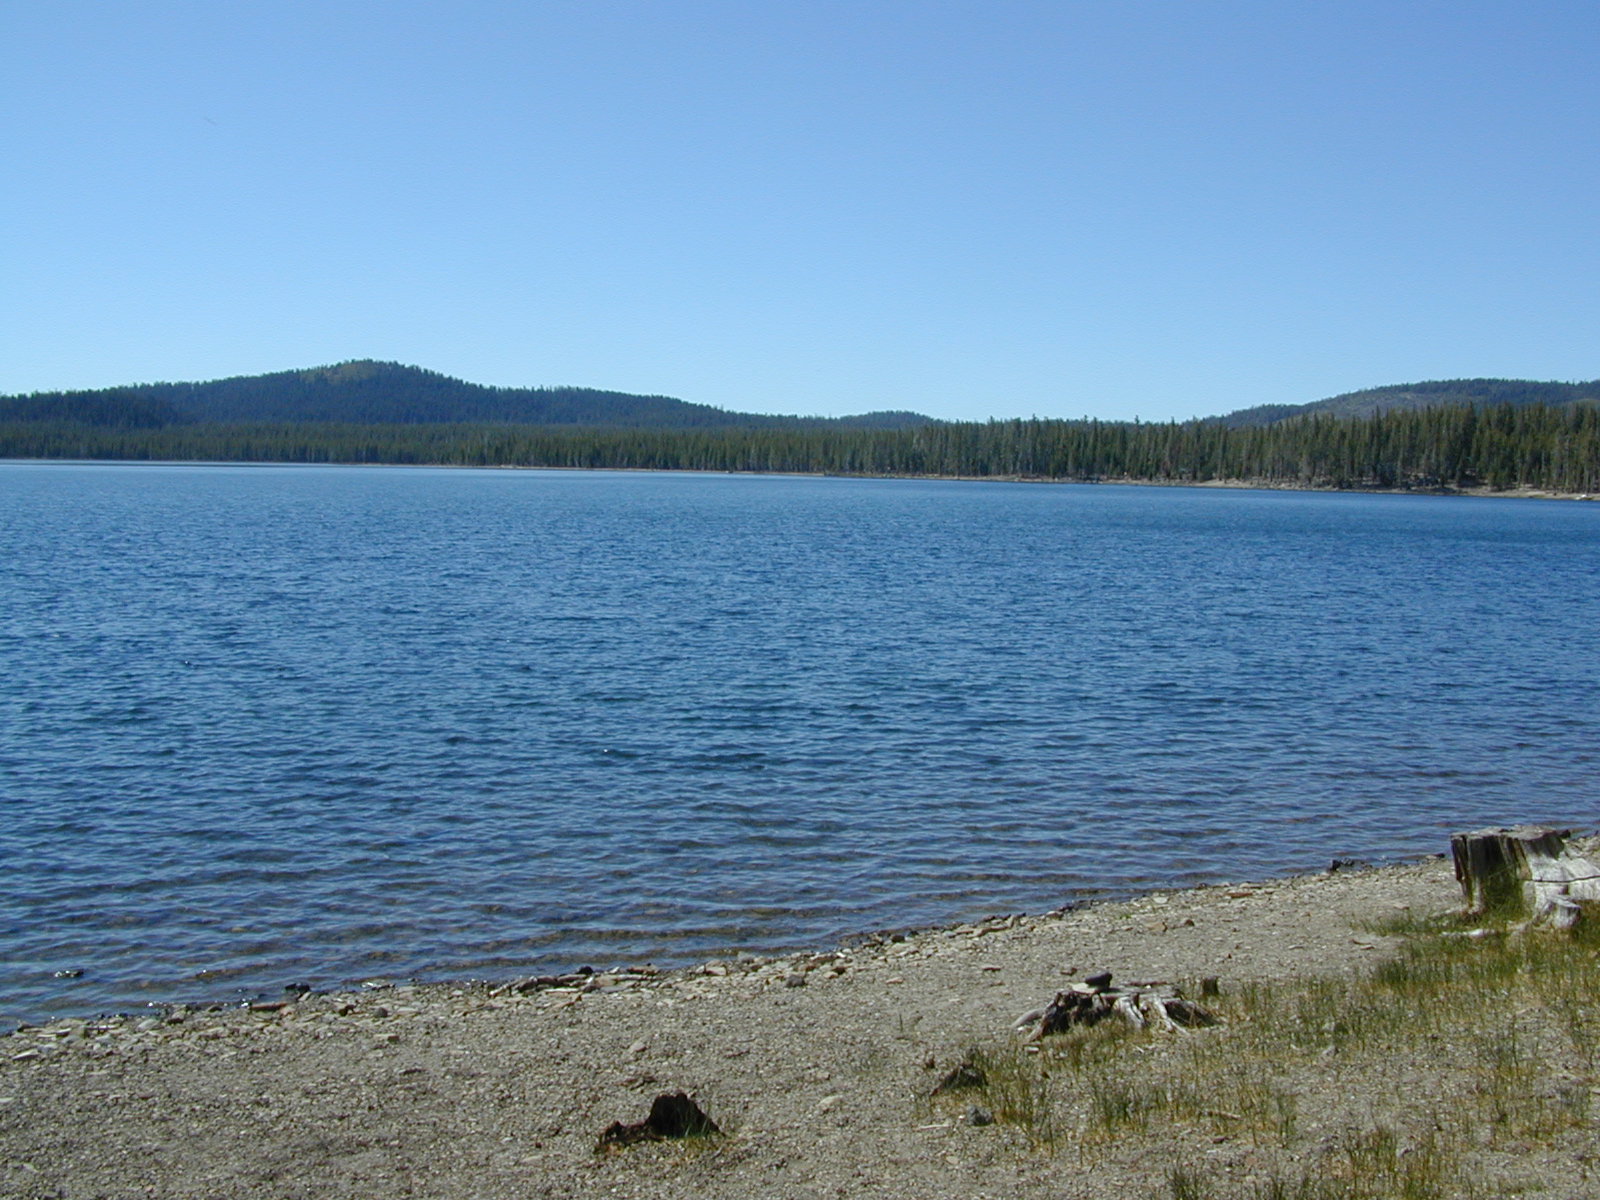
(1094, 1000)
(1526, 872)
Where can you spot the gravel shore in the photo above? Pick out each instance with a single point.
(817, 1066)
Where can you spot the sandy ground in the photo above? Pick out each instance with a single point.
(817, 1066)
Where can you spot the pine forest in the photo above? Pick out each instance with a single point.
(1498, 446)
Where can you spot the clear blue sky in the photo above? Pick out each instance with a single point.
(972, 209)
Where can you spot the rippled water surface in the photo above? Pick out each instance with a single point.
(266, 725)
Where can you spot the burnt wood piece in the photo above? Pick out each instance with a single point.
(672, 1115)
(963, 1077)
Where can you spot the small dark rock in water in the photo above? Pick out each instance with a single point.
(978, 1115)
(672, 1115)
(70, 973)
(1347, 864)
(963, 1077)
(299, 989)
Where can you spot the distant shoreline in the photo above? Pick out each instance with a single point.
(1243, 485)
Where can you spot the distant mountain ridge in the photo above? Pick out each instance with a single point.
(365, 392)
(1410, 397)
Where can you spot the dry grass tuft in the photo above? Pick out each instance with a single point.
(1420, 1079)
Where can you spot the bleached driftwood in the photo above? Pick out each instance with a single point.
(1527, 871)
(1092, 1001)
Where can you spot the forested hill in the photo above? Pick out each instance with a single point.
(1410, 397)
(374, 393)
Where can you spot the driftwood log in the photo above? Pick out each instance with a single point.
(1094, 1000)
(1527, 872)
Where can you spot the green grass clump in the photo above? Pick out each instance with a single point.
(1017, 1092)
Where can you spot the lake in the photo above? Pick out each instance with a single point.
(265, 726)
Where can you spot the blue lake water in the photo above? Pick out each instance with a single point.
(272, 725)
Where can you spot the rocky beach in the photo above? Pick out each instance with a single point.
(819, 1070)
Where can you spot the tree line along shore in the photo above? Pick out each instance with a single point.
(1496, 447)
